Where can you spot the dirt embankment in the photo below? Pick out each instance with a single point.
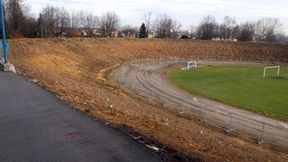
(70, 68)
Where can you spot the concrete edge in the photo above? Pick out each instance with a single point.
(8, 67)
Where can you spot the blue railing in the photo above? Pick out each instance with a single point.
(4, 42)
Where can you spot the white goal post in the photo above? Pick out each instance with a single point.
(271, 67)
(192, 64)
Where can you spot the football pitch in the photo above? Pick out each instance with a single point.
(243, 87)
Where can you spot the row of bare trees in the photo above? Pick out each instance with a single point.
(59, 22)
(56, 22)
(265, 29)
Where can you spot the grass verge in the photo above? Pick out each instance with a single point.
(243, 87)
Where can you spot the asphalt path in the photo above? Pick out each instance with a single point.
(35, 126)
(150, 80)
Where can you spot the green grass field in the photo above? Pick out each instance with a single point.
(243, 87)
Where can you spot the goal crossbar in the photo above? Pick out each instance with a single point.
(271, 67)
(192, 64)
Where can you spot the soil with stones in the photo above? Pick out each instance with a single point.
(76, 71)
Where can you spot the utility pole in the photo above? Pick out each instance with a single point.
(4, 43)
(4, 65)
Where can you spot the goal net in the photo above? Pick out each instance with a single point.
(269, 68)
(191, 65)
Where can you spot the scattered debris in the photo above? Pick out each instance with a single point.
(154, 148)
(33, 80)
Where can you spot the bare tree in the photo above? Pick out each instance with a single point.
(207, 28)
(267, 29)
(49, 21)
(75, 22)
(247, 32)
(165, 27)
(63, 22)
(227, 27)
(110, 22)
(17, 13)
(236, 32)
(89, 22)
(147, 20)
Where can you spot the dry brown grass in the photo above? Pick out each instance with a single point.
(76, 69)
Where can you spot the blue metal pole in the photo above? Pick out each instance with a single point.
(5, 45)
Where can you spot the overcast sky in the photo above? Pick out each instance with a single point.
(188, 12)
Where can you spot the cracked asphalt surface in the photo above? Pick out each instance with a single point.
(36, 126)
